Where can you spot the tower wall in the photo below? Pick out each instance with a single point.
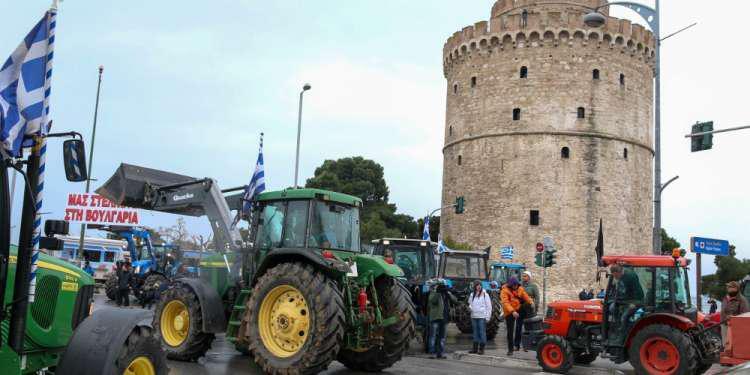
(508, 167)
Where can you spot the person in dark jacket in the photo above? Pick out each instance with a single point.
(583, 295)
(713, 306)
(733, 304)
(438, 311)
(124, 279)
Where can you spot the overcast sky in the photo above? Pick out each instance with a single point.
(188, 87)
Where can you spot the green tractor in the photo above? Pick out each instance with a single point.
(296, 293)
(55, 333)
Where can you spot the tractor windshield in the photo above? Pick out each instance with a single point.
(465, 267)
(334, 226)
(414, 261)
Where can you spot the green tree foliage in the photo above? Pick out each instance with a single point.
(364, 178)
(668, 243)
(729, 268)
(456, 245)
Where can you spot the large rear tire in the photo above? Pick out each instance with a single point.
(462, 317)
(110, 286)
(295, 320)
(554, 354)
(661, 349)
(141, 354)
(178, 321)
(493, 325)
(395, 301)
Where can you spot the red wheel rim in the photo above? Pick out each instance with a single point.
(659, 356)
(552, 355)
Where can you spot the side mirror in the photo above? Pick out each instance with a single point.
(74, 156)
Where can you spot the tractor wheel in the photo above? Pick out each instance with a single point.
(152, 280)
(110, 286)
(554, 354)
(661, 349)
(395, 301)
(178, 322)
(497, 316)
(141, 354)
(585, 358)
(295, 320)
(463, 317)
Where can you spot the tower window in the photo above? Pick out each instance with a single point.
(581, 112)
(516, 114)
(450, 130)
(565, 153)
(534, 217)
(524, 72)
(622, 79)
(459, 159)
(473, 82)
(625, 153)
(455, 88)
(595, 74)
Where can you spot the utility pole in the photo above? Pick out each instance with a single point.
(91, 160)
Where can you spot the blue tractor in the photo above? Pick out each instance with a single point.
(501, 272)
(151, 264)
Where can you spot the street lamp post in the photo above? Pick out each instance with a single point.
(299, 131)
(651, 16)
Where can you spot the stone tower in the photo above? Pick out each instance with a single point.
(548, 130)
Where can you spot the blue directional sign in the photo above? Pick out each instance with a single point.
(709, 246)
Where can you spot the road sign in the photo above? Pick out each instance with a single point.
(709, 246)
(539, 247)
(548, 242)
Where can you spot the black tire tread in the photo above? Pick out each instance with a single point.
(142, 342)
(688, 354)
(493, 326)
(567, 352)
(198, 342)
(110, 286)
(464, 325)
(324, 300)
(396, 300)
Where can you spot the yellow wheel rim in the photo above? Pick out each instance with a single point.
(140, 366)
(284, 321)
(175, 323)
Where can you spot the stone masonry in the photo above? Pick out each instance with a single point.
(546, 114)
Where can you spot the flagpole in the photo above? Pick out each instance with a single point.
(91, 159)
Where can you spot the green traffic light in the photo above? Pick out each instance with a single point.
(702, 142)
(538, 260)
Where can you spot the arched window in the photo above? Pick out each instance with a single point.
(565, 153)
(455, 88)
(516, 114)
(595, 74)
(473, 82)
(622, 79)
(581, 112)
(524, 72)
(625, 153)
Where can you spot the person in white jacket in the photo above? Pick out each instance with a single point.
(480, 306)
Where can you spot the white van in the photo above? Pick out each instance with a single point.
(100, 252)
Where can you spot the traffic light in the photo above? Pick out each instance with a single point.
(538, 260)
(460, 205)
(702, 142)
(549, 257)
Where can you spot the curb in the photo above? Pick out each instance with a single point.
(516, 363)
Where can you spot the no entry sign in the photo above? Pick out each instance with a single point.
(95, 209)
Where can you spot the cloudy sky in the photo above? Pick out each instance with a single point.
(188, 87)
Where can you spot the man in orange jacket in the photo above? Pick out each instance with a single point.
(512, 295)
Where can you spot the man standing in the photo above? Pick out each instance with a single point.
(733, 304)
(531, 289)
(124, 278)
(438, 306)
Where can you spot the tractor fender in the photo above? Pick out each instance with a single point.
(331, 267)
(673, 320)
(212, 307)
(96, 342)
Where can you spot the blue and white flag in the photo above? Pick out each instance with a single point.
(257, 183)
(442, 247)
(506, 252)
(426, 232)
(25, 88)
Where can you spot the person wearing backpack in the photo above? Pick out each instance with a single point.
(480, 306)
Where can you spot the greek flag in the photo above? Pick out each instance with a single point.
(506, 252)
(426, 232)
(442, 247)
(25, 88)
(257, 183)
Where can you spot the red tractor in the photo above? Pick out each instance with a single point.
(646, 318)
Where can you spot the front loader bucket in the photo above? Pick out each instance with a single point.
(127, 187)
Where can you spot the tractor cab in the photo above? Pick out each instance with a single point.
(460, 268)
(501, 272)
(415, 257)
